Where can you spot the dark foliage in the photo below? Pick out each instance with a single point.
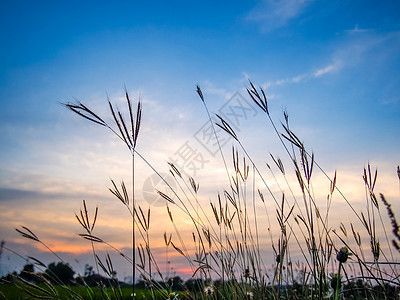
(28, 273)
(94, 280)
(59, 273)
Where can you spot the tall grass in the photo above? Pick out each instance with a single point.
(313, 258)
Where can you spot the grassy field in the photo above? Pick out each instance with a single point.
(12, 291)
(340, 261)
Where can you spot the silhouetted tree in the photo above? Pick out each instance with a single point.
(94, 280)
(60, 272)
(176, 283)
(27, 273)
(195, 285)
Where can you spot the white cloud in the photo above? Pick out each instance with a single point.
(323, 71)
(294, 79)
(273, 14)
(333, 67)
(298, 78)
(328, 69)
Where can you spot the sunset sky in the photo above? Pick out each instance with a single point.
(334, 66)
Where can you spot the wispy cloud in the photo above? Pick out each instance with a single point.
(357, 29)
(352, 51)
(289, 80)
(323, 71)
(283, 81)
(295, 79)
(360, 47)
(331, 68)
(9, 194)
(274, 14)
(328, 69)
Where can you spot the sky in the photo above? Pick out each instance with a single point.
(333, 66)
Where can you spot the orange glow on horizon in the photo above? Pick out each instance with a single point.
(71, 248)
(186, 271)
(60, 247)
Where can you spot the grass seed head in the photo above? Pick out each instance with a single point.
(343, 254)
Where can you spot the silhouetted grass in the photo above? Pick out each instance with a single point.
(228, 257)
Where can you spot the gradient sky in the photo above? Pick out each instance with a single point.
(333, 65)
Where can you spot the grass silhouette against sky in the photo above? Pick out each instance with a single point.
(334, 66)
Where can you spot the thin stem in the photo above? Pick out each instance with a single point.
(337, 282)
(133, 225)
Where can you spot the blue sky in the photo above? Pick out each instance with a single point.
(333, 65)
